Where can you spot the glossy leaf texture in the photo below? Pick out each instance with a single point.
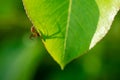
(69, 28)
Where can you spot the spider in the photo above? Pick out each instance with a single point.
(34, 33)
(43, 36)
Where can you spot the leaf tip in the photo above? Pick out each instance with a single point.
(62, 66)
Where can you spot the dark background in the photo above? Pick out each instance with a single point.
(24, 59)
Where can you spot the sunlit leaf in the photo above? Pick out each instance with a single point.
(108, 9)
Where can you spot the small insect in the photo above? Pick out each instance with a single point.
(34, 33)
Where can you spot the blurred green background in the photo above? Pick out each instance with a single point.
(24, 59)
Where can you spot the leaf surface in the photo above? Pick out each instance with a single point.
(71, 27)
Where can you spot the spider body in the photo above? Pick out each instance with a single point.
(34, 33)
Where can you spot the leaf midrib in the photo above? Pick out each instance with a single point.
(67, 27)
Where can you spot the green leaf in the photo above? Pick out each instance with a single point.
(71, 27)
(67, 26)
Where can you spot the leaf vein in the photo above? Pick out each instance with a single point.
(67, 27)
